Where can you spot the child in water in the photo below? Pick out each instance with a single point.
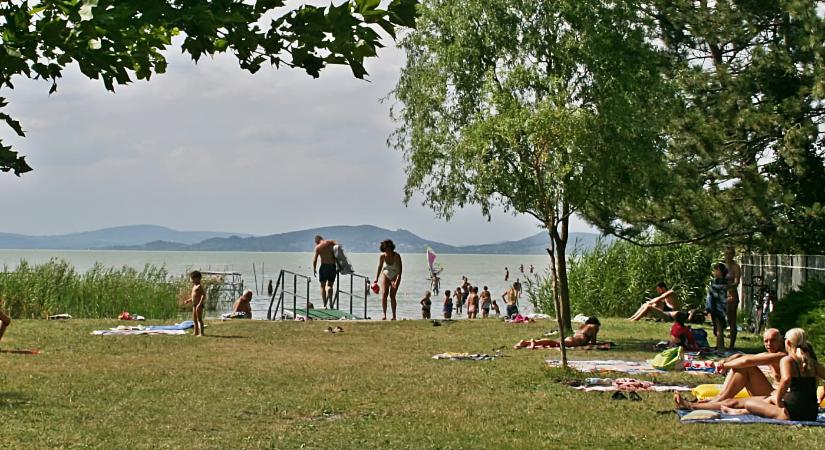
(459, 300)
(472, 303)
(425, 305)
(448, 305)
(495, 309)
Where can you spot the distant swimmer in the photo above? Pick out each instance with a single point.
(328, 272)
(506, 274)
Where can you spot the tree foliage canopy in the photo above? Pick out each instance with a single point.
(746, 153)
(118, 41)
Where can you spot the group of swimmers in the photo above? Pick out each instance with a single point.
(791, 363)
(475, 299)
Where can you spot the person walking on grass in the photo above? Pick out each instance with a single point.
(197, 300)
(389, 274)
(448, 305)
(426, 303)
(733, 277)
(5, 321)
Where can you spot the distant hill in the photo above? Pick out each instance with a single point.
(358, 239)
(131, 235)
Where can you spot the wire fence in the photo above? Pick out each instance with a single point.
(777, 274)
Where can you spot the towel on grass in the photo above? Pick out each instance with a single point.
(464, 356)
(115, 332)
(750, 418)
(628, 385)
(610, 365)
(126, 330)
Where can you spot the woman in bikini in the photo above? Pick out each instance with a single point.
(389, 274)
(586, 334)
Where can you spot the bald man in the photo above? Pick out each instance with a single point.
(744, 373)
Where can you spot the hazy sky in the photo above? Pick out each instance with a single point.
(211, 147)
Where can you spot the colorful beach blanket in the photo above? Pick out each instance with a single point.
(749, 418)
(609, 365)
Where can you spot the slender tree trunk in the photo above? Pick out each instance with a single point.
(556, 300)
(561, 266)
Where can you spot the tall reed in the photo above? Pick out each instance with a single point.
(55, 287)
(613, 279)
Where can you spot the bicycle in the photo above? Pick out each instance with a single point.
(762, 304)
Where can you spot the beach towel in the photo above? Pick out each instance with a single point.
(464, 356)
(59, 317)
(750, 418)
(126, 330)
(116, 332)
(611, 365)
(341, 261)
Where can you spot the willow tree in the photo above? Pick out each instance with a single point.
(119, 41)
(542, 108)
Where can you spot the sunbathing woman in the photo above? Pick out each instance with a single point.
(586, 334)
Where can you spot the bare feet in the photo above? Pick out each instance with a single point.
(384, 318)
(681, 403)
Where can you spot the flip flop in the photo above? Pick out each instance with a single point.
(618, 395)
(632, 395)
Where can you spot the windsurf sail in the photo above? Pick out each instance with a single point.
(435, 268)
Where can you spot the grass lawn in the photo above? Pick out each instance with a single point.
(287, 385)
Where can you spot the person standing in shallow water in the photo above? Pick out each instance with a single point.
(506, 274)
(269, 289)
(389, 276)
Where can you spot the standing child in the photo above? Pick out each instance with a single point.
(448, 305)
(197, 300)
(495, 309)
(459, 300)
(425, 305)
(472, 303)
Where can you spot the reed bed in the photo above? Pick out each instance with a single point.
(55, 287)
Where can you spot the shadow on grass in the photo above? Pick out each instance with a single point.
(219, 336)
(13, 400)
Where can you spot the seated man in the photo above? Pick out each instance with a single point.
(744, 373)
(662, 307)
(242, 309)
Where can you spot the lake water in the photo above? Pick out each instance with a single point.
(480, 269)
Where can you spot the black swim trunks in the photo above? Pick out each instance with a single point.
(327, 273)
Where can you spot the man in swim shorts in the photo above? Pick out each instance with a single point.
(743, 372)
(326, 276)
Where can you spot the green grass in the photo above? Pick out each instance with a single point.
(286, 385)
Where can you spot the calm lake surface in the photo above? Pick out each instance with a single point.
(480, 269)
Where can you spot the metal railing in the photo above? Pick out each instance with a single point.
(353, 284)
(281, 292)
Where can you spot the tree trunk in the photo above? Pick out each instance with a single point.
(561, 266)
(556, 303)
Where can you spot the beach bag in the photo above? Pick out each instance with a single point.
(701, 337)
(341, 263)
(670, 359)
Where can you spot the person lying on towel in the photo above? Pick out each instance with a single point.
(585, 335)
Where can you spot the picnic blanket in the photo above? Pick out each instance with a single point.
(609, 365)
(464, 356)
(555, 344)
(750, 418)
